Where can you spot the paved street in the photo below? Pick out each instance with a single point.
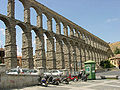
(90, 85)
(105, 84)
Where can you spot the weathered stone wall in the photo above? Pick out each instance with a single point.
(17, 81)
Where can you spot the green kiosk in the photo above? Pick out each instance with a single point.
(90, 69)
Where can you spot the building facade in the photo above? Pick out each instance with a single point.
(115, 61)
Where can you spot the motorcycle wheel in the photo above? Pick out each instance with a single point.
(46, 84)
(75, 79)
(57, 83)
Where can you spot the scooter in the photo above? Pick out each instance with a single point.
(43, 81)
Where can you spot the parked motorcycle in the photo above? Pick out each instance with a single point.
(84, 77)
(53, 80)
(43, 81)
(72, 78)
(65, 80)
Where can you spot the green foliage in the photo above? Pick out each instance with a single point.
(117, 51)
(106, 64)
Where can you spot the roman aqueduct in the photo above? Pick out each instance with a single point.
(69, 51)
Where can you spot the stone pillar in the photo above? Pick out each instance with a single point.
(49, 24)
(87, 54)
(67, 57)
(98, 58)
(91, 56)
(39, 20)
(84, 54)
(79, 59)
(76, 33)
(73, 58)
(60, 62)
(58, 28)
(51, 56)
(65, 29)
(11, 8)
(10, 48)
(27, 50)
(95, 56)
(70, 61)
(27, 15)
(71, 32)
(81, 35)
(40, 58)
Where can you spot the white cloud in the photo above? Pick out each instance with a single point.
(3, 31)
(112, 20)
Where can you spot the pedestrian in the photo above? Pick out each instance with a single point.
(18, 69)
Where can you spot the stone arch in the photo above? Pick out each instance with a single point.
(4, 4)
(19, 13)
(5, 20)
(68, 28)
(33, 16)
(10, 45)
(71, 31)
(39, 58)
(35, 8)
(23, 2)
(54, 22)
(62, 26)
(75, 32)
(22, 26)
(4, 29)
(44, 20)
(80, 34)
(2, 35)
(27, 50)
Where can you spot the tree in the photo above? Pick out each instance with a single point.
(106, 64)
(117, 51)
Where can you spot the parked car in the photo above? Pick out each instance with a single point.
(47, 73)
(56, 72)
(25, 71)
(13, 71)
(34, 72)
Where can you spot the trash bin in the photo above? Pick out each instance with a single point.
(90, 69)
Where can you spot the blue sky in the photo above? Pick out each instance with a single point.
(100, 17)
